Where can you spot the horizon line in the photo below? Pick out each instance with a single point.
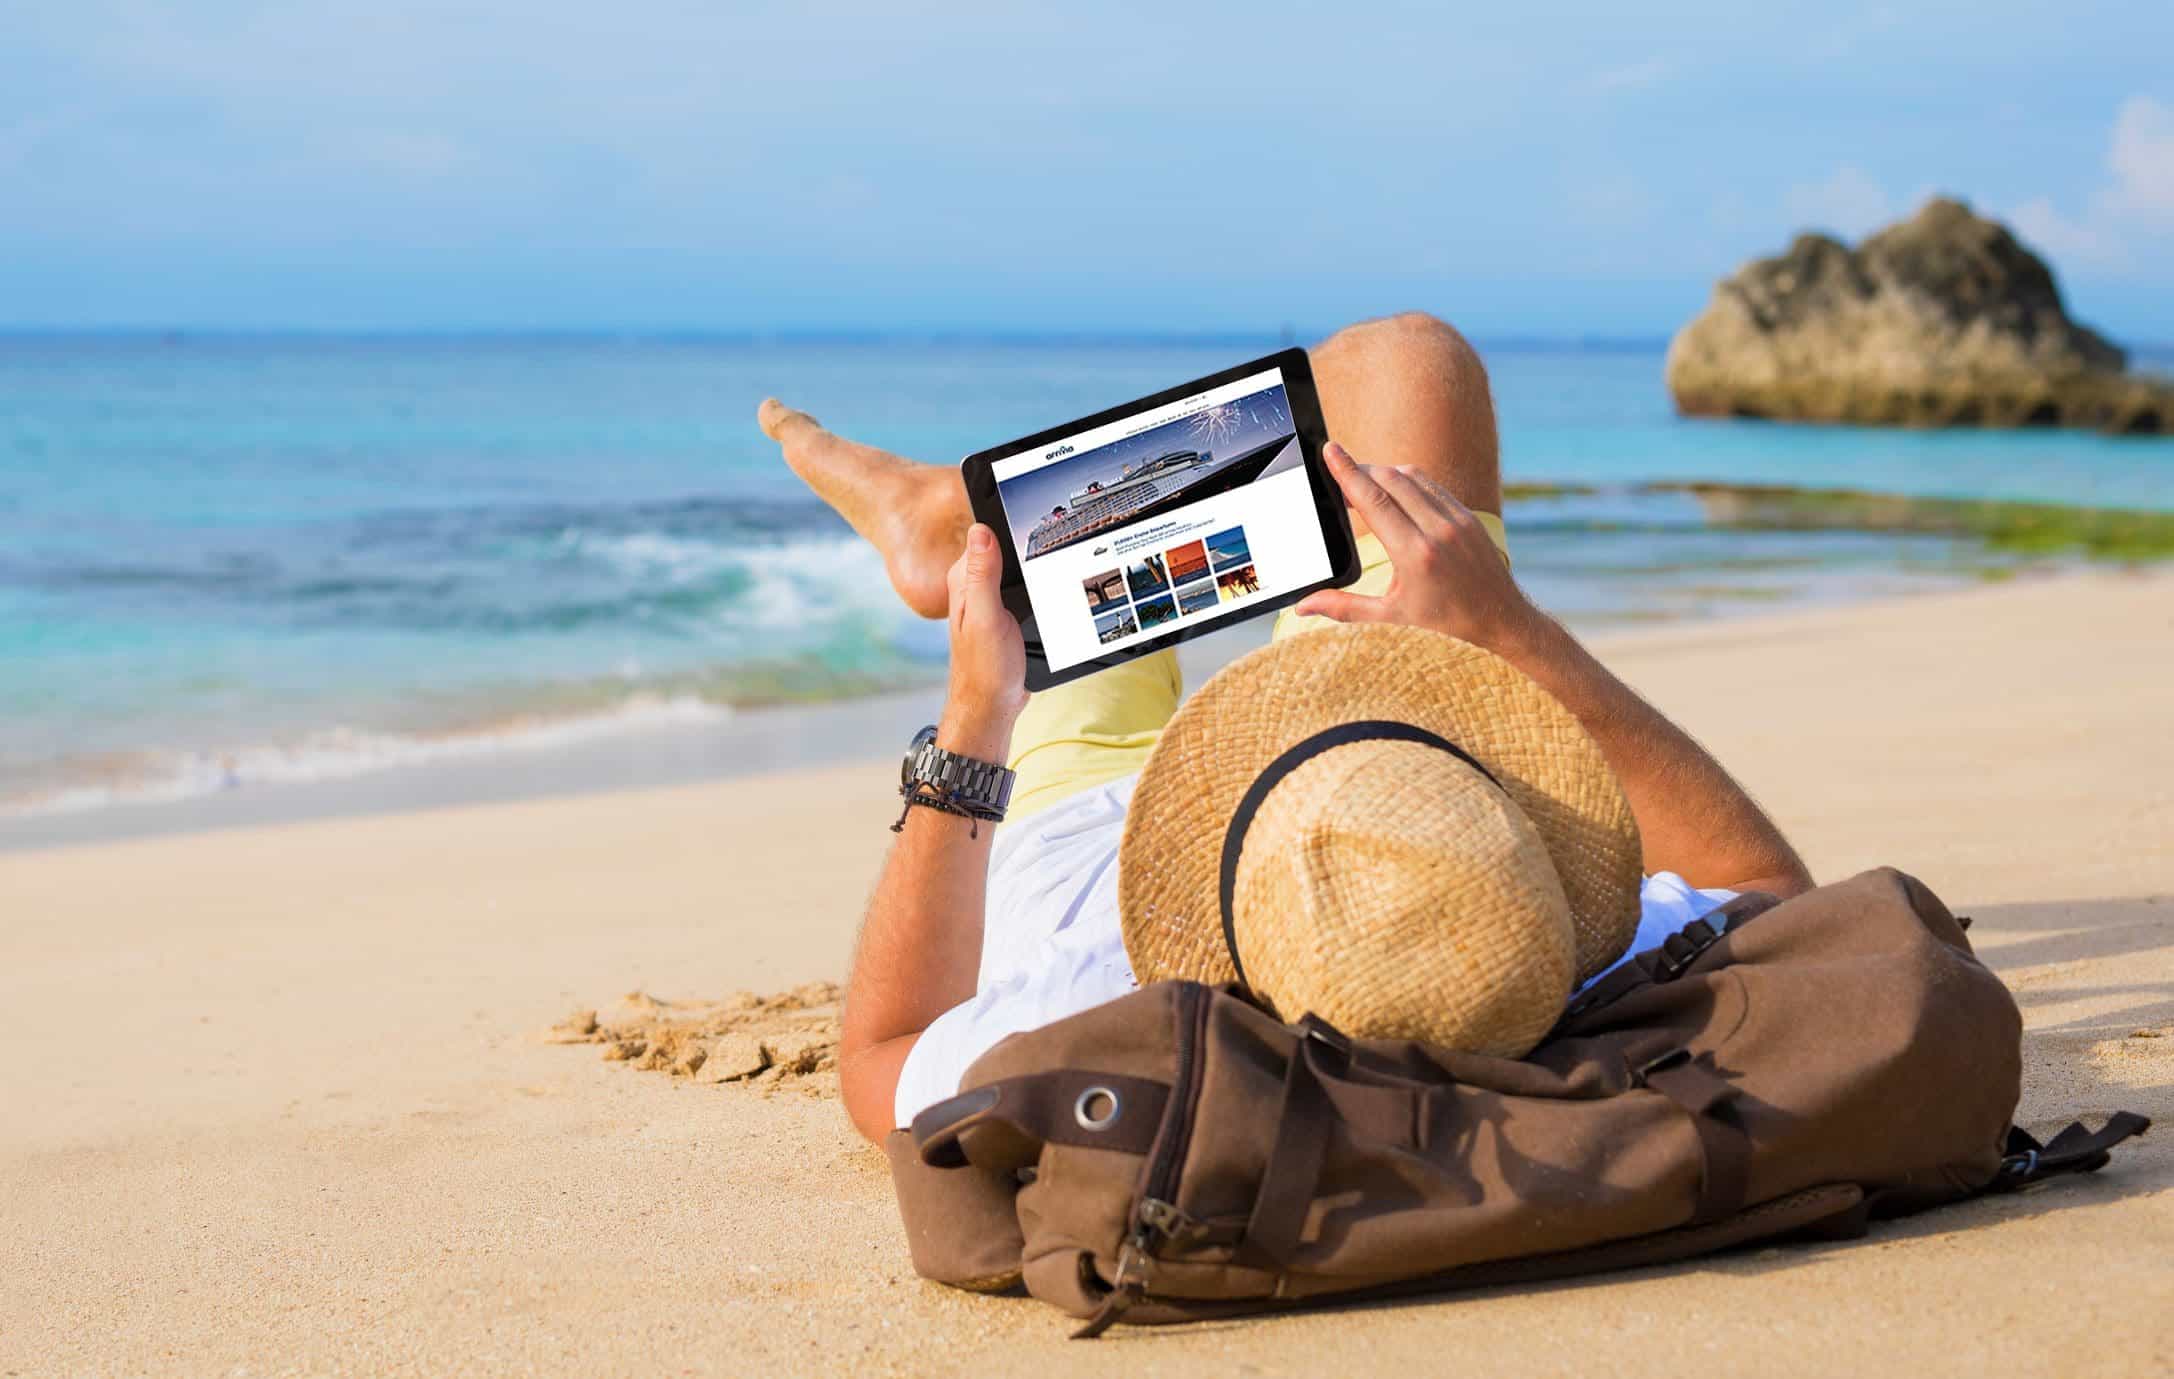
(1282, 337)
(1273, 337)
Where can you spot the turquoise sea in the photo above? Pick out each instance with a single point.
(231, 561)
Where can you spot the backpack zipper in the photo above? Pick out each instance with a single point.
(1162, 1173)
(1155, 1212)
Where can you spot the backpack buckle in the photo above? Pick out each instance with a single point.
(1674, 1058)
(1312, 1026)
(1682, 948)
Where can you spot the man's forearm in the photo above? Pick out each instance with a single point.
(920, 945)
(1694, 819)
(1450, 578)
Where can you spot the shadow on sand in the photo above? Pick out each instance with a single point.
(2111, 959)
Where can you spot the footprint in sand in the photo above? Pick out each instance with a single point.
(789, 1037)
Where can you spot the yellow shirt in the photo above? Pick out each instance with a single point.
(1092, 730)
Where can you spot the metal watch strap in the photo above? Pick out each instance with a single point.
(981, 786)
(978, 782)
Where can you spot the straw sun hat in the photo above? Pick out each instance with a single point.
(1394, 830)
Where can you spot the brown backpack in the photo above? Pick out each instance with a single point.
(1779, 1069)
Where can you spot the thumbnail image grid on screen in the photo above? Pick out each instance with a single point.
(1164, 586)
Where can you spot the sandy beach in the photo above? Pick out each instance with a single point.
(280, 1101)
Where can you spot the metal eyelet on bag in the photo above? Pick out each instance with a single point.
(1083, 1112)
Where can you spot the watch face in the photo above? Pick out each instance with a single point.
(913, 749)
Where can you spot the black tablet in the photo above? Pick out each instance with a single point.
(1178, 514)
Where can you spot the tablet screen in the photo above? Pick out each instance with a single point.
(1187, 513)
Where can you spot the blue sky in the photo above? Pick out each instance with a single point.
(705, 164)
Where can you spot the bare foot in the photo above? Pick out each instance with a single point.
(915, 514)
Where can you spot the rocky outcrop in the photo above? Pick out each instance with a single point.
(1941, 320)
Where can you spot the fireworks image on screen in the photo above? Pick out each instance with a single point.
(1214, 424)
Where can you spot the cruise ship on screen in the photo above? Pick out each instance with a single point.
(1170, 480)
(1100, 506)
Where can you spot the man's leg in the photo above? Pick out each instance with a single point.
(915, 514)
(1070, 738)
(1409, 390)
(1404, 390)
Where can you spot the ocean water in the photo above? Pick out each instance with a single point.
(227, 562)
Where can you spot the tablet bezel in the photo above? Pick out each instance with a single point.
(1335, 521)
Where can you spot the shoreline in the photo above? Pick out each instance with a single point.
(1605, 557)
(741, 743)
(763, 741)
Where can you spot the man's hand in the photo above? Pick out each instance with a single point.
(1448, 575)
(988, 657)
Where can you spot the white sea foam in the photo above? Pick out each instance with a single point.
(342, 752)
(788, 595)
(654, 555)
(792, 584)
(804, 582)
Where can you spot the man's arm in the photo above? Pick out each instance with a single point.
(1693, 818)
(920, 944)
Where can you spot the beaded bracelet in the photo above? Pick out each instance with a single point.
(946, 802)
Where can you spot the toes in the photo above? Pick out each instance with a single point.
(778, 421)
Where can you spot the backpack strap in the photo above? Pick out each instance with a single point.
(2074, 1150)
(1670, 959)
(1294, 1162)
(1706, 1096)
(1319, 1092)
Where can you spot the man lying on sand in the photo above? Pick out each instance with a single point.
(975, 933)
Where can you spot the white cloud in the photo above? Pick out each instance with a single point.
(2136, 202)
(2142, 159)
(1849, 203)
(2040, 224)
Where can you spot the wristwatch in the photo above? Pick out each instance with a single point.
(952, 783)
